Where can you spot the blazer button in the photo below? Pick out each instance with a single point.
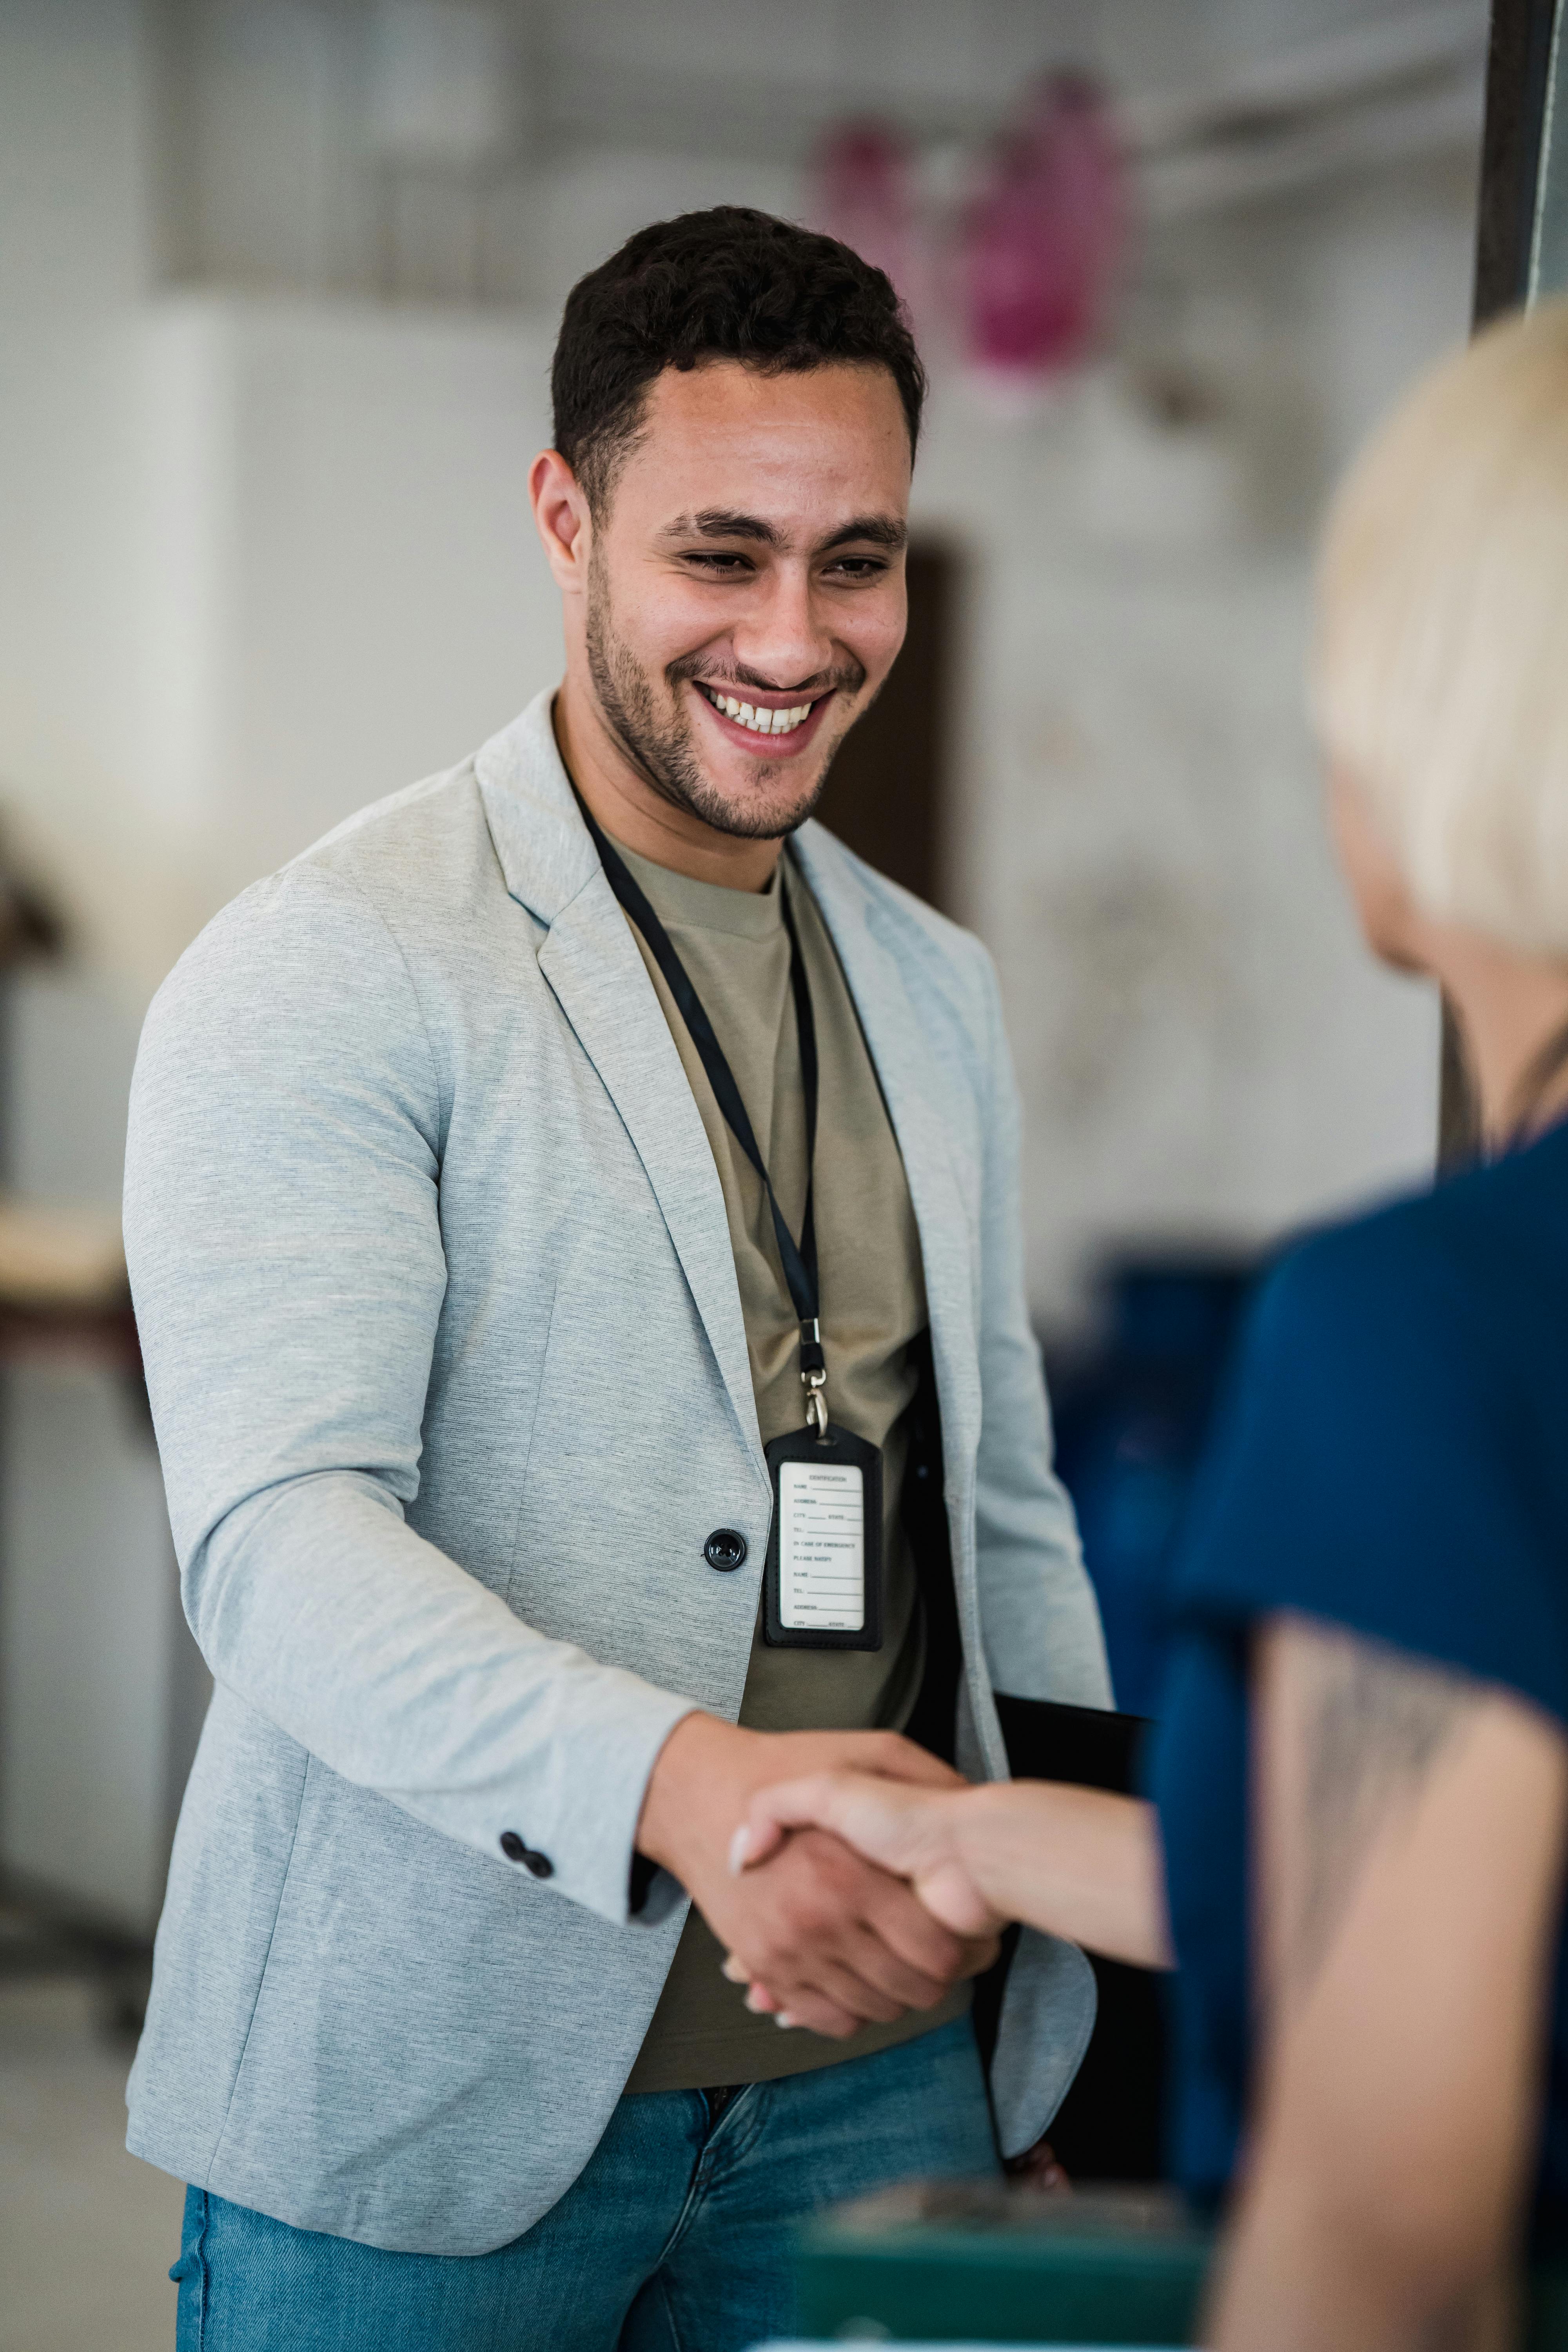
(725, 1548)
(539, 1865)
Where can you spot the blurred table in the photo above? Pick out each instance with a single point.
(63, 1286)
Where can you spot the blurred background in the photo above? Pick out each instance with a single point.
(279, 284)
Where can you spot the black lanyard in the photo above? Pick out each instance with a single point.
(798, 1260)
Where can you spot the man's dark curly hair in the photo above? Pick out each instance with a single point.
(726, 284)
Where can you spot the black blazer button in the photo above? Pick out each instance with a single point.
(539, 1864)
(725, 1548)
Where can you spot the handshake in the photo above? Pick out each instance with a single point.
(824, 1864)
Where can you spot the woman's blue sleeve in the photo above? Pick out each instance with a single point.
(1388, 1460)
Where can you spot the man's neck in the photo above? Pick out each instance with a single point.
(632, 812)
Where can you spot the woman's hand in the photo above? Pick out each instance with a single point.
(914, 1832)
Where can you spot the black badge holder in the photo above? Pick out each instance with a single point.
(816, 1601)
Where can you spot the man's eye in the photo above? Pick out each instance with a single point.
(715, 560)
(857, 567)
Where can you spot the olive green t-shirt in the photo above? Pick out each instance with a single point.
(735, 947)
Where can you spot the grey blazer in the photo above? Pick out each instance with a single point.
(445, 1356)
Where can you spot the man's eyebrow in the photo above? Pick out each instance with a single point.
(726, 522)
(722, 522)
(882, 530)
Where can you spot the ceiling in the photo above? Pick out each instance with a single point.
(409, 146)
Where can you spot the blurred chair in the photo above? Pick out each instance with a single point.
(1131, 1420)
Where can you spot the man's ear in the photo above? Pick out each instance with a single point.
(564, 524)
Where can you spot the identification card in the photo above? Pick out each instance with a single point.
(822, 1588)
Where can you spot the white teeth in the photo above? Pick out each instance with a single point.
(758, 722)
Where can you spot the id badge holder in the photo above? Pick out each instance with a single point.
(822, 1586)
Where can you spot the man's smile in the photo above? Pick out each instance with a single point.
(788, 724)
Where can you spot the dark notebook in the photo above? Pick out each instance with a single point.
(1089, 1746)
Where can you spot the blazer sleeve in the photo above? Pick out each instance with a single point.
(1038, 1615)
(283, 1235)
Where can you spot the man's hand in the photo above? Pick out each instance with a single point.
(836, 1941)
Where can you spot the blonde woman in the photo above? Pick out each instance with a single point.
(1372, 1604)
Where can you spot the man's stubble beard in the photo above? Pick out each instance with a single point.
(663, 749)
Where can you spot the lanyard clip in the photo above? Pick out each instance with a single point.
(814, 1376)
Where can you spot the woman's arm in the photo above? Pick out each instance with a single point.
(1074, 1862)
(1411, 1827)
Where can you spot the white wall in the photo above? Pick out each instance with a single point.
(1207, 1051)
(349, 591)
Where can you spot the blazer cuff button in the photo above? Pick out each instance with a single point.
(725, 1548)
(539, 1865)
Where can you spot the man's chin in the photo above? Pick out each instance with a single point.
(765, 809)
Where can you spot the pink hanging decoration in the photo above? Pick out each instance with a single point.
(863, 198)
(1041, 241)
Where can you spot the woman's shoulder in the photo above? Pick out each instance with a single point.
(1479, 1260)
(1390, 1453)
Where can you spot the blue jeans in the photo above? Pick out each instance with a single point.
(675, 2238)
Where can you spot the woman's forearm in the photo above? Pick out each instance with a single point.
(1075, 1862)
(1409, 1874)
(1303, 2270)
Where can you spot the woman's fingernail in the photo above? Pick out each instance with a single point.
(733, 1969)
(740, 1847)
(786, 2019)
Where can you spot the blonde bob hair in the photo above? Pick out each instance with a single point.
(1441, 673)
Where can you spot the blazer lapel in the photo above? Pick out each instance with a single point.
(910, 1085)
(591, 962)
(590, 959)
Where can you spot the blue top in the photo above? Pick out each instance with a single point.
(1393, 1456)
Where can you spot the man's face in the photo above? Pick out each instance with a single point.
(746, 584)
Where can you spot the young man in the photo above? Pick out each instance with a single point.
(576, 1255)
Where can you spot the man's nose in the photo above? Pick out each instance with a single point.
(783, 637)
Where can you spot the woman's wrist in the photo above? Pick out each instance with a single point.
(977, 1826)
(1075, 1863)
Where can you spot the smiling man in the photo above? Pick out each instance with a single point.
(575, 1248)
